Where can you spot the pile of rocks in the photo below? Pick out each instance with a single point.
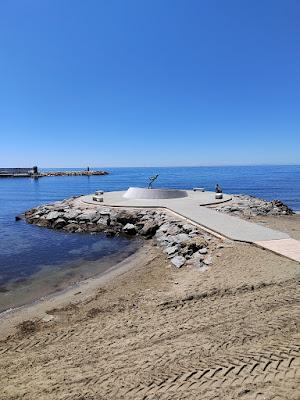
(183, 243)
(249, 206)
(71, 173)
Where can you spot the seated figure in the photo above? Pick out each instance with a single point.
(218, 188)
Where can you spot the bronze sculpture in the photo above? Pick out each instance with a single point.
(152, 179)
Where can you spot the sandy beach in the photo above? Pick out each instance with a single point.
(147, 330)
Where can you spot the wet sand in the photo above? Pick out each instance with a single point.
(147, 330)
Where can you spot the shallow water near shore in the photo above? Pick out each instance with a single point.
(83, 260)
(28, 253)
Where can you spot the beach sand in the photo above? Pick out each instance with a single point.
(146, 330)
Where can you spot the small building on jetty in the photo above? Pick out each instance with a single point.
(18, 172)
(33, 172)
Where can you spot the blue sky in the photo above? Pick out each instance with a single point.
(149, 82)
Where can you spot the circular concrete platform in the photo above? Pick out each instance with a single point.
(144, 193)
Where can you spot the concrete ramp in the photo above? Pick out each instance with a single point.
(289, 248)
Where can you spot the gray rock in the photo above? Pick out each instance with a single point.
(88, 216)
(129, 229)
(195, 243)
(104, 220)
(104, 211)
(171, 249)
(59, 223)
(197, 256)
(178, 261)
(126, 217)
(188, 228)
(53, 215)
(181, 237)
(164, 227)
(72, 214)
(162, 239)
(149, 229)
(203, 251)
(73, 227)
(169, 229)
(207, 260)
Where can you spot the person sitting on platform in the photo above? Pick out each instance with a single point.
(218, 189)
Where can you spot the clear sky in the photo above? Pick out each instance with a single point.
(149, 82)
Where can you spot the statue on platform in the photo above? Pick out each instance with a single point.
(152, 180)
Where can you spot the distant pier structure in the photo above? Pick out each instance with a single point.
(18, 172)
(34, 172)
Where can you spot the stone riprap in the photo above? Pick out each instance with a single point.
(71, 173)
(250, 206)
(183, 243)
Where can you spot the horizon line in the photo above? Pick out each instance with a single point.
(183, 166)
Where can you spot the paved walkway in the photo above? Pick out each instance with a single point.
(228, 226)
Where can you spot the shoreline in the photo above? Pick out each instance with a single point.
(52, 279)
(149, 329)
(196, 246)
(79, 292)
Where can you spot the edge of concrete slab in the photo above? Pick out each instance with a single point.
(289, 248)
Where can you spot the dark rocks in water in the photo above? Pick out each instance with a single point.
(285, 210)
(71, 227)
(43, 223)
(110, 233)
(180, 240)
(59, 223)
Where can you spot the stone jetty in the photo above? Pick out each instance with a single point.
(183, 243)
(249, 206)
(71, 173)
(34, 172)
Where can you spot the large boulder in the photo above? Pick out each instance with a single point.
(59, 223)
(53, 215)
(71, 214)
(89, 216)
(126, 217)
(73, 227)
(149, 229)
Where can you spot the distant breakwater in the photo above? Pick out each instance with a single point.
(39, 174)
(72, 173)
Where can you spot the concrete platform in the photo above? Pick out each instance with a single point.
(117, 199)
(193, 209)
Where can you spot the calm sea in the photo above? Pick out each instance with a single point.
(26, 249)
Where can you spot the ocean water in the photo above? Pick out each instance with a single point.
(25, 250)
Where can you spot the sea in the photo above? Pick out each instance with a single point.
(37, 261)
